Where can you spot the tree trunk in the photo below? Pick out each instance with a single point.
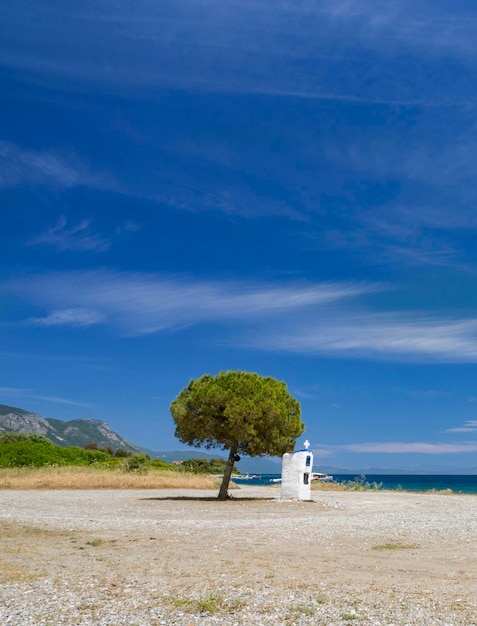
(223, 493)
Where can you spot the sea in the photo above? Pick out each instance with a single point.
(396, 482)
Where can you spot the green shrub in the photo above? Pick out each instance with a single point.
(360, 484)
(204, 466)
(162, 465)
(137, 464)
(22, 450)
(122, 453)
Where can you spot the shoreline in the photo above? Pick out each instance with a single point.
(181, 557)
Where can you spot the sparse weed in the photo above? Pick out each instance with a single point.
(361, 484)
(210, 604)
(396, 545)
(302, 609)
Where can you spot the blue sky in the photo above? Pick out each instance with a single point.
(281, 187)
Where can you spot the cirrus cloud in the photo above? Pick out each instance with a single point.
(414, 447)
(141, 304)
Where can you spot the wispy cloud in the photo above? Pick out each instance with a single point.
(238, 47)
(402, 26)
(397, 447)
(141, 304)
(76, 318)
(469, 427)
(415, 447)
(410, 158)
(130, 226)
(385, 336)
(303, 318)
(22, 393)
(77, 237)
(20, 166)
(424, 222)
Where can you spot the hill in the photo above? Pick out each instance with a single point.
(78, 432)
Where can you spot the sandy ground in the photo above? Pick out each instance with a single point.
(182, 557)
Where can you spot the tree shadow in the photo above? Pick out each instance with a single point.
(212, 499)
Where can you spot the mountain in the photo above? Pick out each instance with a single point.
(78, 432)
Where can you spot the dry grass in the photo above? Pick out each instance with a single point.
(396, 545)
(326, 486)
(18, 546)
(91, 478)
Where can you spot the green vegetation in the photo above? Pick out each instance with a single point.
(95, 543)
(239, 412)
(136, 464)
(302, 609)
(361, 484)
(204, 466)
(21, 450)
(210, 604)
(34, 451)
(6, 410)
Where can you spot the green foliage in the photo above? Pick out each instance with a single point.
(6, 410)
(162, 465)
(209, 604)
(239, 412)
(255, 414)
(122, 453)
(22, 450)
(95, 543)
(359, 483)
(13, 437)
(137, 464)
(204, 466)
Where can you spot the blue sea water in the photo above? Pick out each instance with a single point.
(397, 482)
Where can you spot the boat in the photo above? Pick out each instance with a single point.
(319, 476)
(244, 476)
(324, 478)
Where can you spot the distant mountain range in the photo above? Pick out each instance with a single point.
(74, 433)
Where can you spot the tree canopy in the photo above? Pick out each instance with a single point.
(240, 412)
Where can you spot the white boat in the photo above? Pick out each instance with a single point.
(244, 476)
(321, 477)
(324, 478)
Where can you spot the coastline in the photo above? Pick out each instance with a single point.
(150, 557)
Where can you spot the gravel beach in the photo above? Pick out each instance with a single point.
(181, 557)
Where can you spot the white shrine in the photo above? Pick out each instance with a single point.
(296, 474)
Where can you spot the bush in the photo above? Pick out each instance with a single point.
(137, 464)
(360, 484)
(22, 450)
(122, 453)
(159, 464)
(13, 437)
(204, 466)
